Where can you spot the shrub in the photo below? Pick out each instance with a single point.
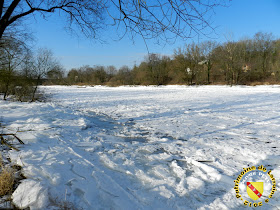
(6, 181)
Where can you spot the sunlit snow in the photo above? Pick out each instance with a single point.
(169, 147)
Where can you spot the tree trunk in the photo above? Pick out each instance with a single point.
(35, 89)
(6, 19)
(209, 66)
(2, 29)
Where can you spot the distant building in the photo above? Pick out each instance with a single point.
(246, 68)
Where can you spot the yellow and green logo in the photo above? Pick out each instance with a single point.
(255, 186)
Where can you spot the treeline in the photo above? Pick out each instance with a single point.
(22, 71)
(248, 61)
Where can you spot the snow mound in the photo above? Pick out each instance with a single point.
(30, 194)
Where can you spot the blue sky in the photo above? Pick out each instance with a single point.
(242, 18)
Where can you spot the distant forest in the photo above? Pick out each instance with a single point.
(245, 62)
(249, 61)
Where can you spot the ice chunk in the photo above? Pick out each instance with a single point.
(31, 194)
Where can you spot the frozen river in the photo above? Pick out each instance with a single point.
(169, 147)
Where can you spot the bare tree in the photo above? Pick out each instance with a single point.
(207, 50)
(43, 63)
(181, 65)
(264, 46)
(194, 56)
(12, 53)
(55, 75)
(162, 19)
(111, 70)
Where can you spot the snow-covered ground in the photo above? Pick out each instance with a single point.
(170, 147)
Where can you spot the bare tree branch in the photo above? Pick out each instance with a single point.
(156, 19)
(1, 8)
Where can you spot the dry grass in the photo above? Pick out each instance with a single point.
(6, 178)
(6, 181)
(61, 204)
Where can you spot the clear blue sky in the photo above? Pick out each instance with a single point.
(242, 18)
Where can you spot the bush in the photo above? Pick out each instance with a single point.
(24, 93)
(6, 181)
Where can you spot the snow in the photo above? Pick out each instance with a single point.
(30, 194)
(167, 147)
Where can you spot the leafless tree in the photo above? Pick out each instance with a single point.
(161, 19)
(43, 63)
(207, 50)
(12, 53)
(194, 55)
(265, 47)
